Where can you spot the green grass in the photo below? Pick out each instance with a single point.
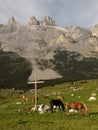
(11, 119)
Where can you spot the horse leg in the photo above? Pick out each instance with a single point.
(51, 109)
(81, 111)
(60, 108)
(67, 111)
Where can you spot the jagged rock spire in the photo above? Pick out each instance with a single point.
(47, 21)
(77, 33)
(33, 21)
(94, 30)
(11, 20)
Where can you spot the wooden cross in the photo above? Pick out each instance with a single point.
(35, 82)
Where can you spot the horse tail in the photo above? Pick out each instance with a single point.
(85, 107)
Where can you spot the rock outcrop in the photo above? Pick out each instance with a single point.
(47, 21)
(33, 21)
(13, 25)
(77, 33)
(94, 30)
(11, 21)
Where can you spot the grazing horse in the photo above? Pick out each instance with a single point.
(25, 99)
(60, 97)
(56, 103)
(76, 106)
(41, 108)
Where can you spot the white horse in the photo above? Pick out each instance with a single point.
(42, 108)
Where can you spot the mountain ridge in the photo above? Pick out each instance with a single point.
(39, 40)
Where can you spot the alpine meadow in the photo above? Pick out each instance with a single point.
(15, 114)
(42, 62)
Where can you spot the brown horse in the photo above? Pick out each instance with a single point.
(76, 106)
(25, 99)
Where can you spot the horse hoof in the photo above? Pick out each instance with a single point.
(67, 114)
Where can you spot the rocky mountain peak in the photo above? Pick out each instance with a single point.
(47, 21)
(11, 20)
(94, 30)
(77, 33)
(33, 21)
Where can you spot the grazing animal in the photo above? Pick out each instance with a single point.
(60, 97)
(25, 99)
(76, 106)
(41, 108)
(56, 103)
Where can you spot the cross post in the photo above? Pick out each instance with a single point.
(35, 82)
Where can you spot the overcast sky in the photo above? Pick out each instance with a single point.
(82, 13)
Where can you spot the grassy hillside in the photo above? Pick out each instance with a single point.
(14, 70)
(11, 118)
(74, 66)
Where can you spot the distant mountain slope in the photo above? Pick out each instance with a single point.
(72, 65)
(49, 48)
(14, 70)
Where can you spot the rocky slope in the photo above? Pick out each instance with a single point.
(40, 41)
